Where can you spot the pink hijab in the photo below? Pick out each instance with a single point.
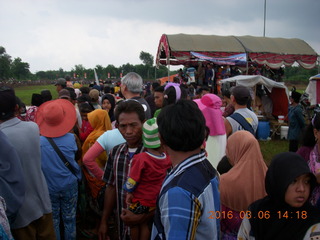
(210, 105)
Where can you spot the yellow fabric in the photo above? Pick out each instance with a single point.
(100, 122)
(244, 182)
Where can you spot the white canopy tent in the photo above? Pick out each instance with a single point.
(279, 93)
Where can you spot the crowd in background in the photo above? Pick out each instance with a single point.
(130, 160)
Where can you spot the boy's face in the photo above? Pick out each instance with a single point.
(158, 99)
(298, 191)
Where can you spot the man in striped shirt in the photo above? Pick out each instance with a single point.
(190, 192)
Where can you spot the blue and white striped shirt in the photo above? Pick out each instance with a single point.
(187, 196)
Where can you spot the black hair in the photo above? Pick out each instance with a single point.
(182, 126)
(72, 92)
(36, 99)
(8, 103)
(46, 95)
(308, 138)
(155, 85)
(84, 98)
(316, 121)
(226, 93)
(85, 90)
(86, 107)
(129, 106)
(224, 165)
(159, 89)
(170, 95)
(106, 89)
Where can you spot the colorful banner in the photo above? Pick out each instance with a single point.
(238, 59)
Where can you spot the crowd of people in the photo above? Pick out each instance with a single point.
(143, 162)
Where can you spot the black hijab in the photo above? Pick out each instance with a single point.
(284, 168)
(113, 104)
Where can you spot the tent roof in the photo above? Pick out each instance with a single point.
(175, 49)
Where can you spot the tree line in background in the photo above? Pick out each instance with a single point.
(18, 70)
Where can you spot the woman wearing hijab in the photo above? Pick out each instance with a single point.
(216, 143)
(108, 103)
(243, 183)
(314, 160)
(285, 213)
(93, 171)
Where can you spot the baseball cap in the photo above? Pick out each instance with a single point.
(61, 81)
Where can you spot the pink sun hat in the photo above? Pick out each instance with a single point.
(210, 105)
(56, 118)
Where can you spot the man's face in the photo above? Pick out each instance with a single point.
(158, 99)
(58, 88)
(130, 127)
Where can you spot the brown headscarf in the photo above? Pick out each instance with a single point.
(244, 182)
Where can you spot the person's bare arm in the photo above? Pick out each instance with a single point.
(228, 127)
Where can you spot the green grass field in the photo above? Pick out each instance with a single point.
(25, 92)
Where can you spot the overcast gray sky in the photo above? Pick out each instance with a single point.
(53, 34)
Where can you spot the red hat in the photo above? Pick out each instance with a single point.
(56, 118)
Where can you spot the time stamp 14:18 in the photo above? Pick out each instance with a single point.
(259, 215)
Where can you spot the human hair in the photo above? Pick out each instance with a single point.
(133, 81)
(85, 90)
(170, 95)
(308, 138)
(106, 89)
(226, 93)
(129, 106)
(8, 103)
(182, 126)
(224, 165)
(72, 92)
(155, 85)
(86, 107)
(316, 121)
(36, 99)
(159, 89)
(46, 95)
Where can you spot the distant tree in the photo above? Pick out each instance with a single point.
(146, 58)
(114, 72)
(20, 70)
(79, 70)
(126, 68)
(5, 62)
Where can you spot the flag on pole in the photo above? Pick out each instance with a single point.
(96, 76)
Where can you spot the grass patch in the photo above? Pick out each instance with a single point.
(273, 147)
(25, 92)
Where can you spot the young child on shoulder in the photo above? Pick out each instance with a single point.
(146, 174)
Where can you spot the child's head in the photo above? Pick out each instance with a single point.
(150, 134)
(289, 180)
(84, 109)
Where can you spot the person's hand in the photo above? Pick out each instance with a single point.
(129, 197)
(131, 219)
(103, 230)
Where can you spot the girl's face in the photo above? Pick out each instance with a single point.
(84, 116)
(106, 105)
(298, 191)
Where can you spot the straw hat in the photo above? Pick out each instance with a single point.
(56, 118)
